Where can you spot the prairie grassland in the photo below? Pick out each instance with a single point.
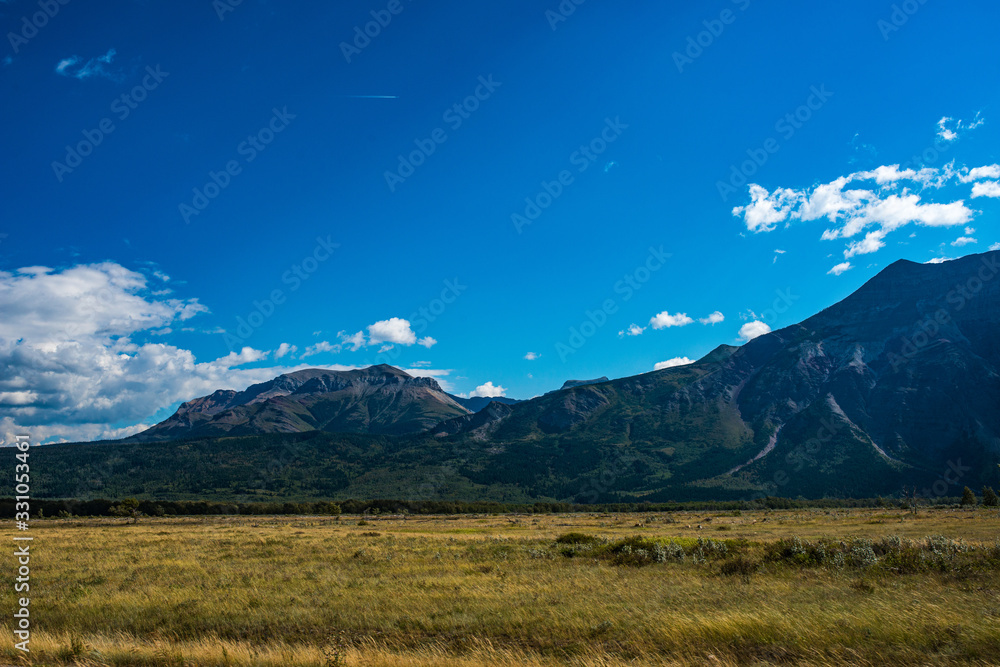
(500, 590)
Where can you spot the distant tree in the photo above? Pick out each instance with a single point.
(326, 507)
(990, 498)
(128, 508)
(968, 497)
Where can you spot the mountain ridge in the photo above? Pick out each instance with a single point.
(896, 384)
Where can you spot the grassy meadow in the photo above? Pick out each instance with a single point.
(808, 587)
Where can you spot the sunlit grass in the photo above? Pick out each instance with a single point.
(245, 591)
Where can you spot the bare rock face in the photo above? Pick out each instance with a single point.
(378, 399)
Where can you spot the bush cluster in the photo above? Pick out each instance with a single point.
(738, 557)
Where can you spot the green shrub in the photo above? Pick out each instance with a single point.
(577, 538)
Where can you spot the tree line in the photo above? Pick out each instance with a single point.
(132, 507)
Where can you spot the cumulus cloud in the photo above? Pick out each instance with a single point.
(870, 204)
(78, 360)
(995, 246)
(990, 171)
(714, 318)
(752, 330)
(394, 330)
(247, 355)
(356, 340)
(284, 349)
(986, 189)
(671, 363)
(76, 67)
(385, 333)
(840, 268)
(319, 348)
(76, 346)
(665, 320)
(633, 330)
(489, 391)
(963, 240)
(531, 356)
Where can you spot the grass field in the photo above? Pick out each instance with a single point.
(500, 590)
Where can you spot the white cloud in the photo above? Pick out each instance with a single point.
(671, 363)
(752, 330)
(882, 206)
(938, 260)
(995, 246)
(77, 358)
(531, 356)
(948, 134)
(714, 318)
(963, 240)
(871, 243)
(93, 67)
(665, 320)
(840, 268)
(980, 173)
(489, 391)
(944, 132)
(355, 340)
(427, 342)
(247, 355)
(764, 209)
(284, 349)
(319, 348)
(986, 189)
(395, 330)
(633, 330)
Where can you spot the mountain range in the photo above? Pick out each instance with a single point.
(897, 385)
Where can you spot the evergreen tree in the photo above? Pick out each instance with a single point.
(968, 497)
(990, 498)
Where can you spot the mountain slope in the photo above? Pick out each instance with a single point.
(894, 385)
(378, 399)
(898, 384)
(477, 403)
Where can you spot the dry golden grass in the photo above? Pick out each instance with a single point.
(491, 590)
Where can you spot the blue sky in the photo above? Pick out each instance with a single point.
(779, 157)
